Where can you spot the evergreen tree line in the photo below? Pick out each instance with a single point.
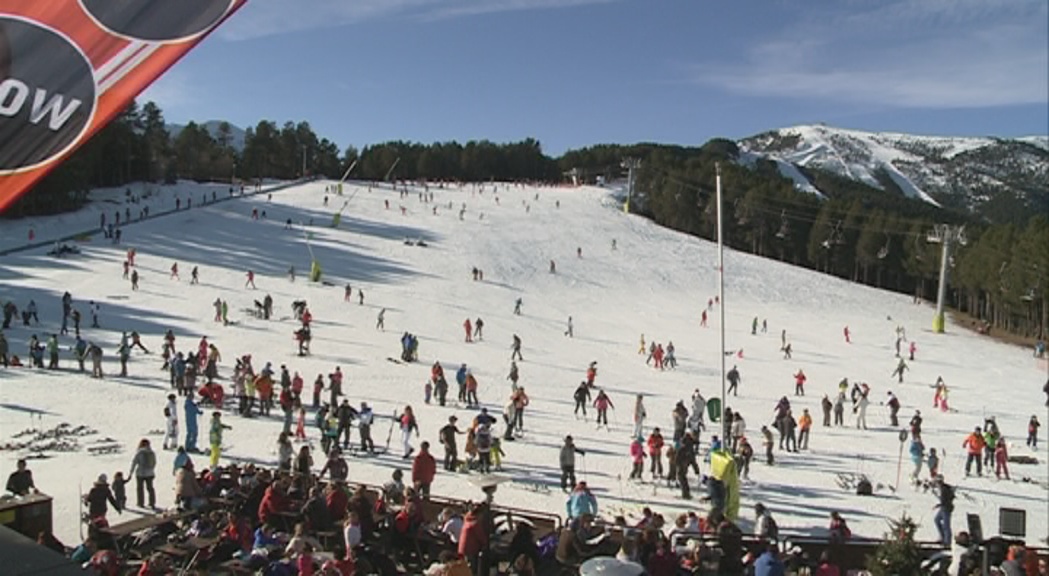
(855, 232)
(137, 147)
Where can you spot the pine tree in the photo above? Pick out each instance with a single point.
(898, 554)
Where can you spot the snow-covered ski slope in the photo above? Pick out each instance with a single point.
(656, 282)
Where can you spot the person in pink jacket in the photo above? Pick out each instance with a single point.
(602, 403)
(1001, 459)
(637, 456)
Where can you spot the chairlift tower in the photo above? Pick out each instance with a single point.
(631, 165)
(946, 235)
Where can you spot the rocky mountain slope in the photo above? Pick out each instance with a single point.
(988, 176)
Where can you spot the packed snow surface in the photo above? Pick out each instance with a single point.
(656, 282)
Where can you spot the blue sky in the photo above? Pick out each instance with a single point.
(577, 72)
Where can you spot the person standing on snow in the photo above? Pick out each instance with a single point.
(804, 424)
(215, 437)
(170, 424)
(845, 331)
(52, 352)
(468, 328)
(582, 398)
(768, 442)
(799, 383)
(192, 411)
(566, 459)
(517, 307)
(447, 437)
(917, 453)
(251, 280)
(945, 506)
(637, 458)
(655, 453)
(974, 443)
(602, 403)
(1001, 459)
(1032, 432)
(839, 410)
(408, 424)
(900, 368)
(639, 416)
(365, 417)
(569, 332)
(460, 379)
(894, 408)
(174, 272)
(733, 380)
(516, 346)
(861, 411)
(143, 468)
(827, 406)
(380, 322)
(479, 329)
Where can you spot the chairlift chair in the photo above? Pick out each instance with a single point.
(884, 251)
(784, 226)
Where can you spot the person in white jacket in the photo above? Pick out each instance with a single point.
(861, 411)
(639, 416)
(171, 424)
(739, 429)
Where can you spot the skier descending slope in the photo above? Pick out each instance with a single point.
(603, 403)
(582, 398)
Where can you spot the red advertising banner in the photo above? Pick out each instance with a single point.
(68, 67)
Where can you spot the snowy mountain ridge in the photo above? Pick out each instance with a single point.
(957, 171)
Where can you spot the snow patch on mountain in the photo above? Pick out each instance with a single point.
(929, 168)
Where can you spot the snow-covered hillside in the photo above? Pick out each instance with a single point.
(931, 168)
(655, 282)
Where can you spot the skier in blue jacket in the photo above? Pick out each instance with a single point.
(192, 411)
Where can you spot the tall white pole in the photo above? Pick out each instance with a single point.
(721, 302)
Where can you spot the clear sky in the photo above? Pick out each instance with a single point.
(577, 72)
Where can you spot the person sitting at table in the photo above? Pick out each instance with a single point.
(362, 505)
(572, 546)
(264, 545)
(315, 511)
(298, 542)
(450, 522)
(393, 491)
(351, 531)
(236, 536)
(274, 502)
(523, 544)
(337, 500)
(20, 482)
(158, 564)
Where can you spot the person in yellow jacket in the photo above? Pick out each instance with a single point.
(804, 424)
(215, 437)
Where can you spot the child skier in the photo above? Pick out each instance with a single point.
(602, 403)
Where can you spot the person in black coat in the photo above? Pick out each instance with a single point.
(97, 498)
